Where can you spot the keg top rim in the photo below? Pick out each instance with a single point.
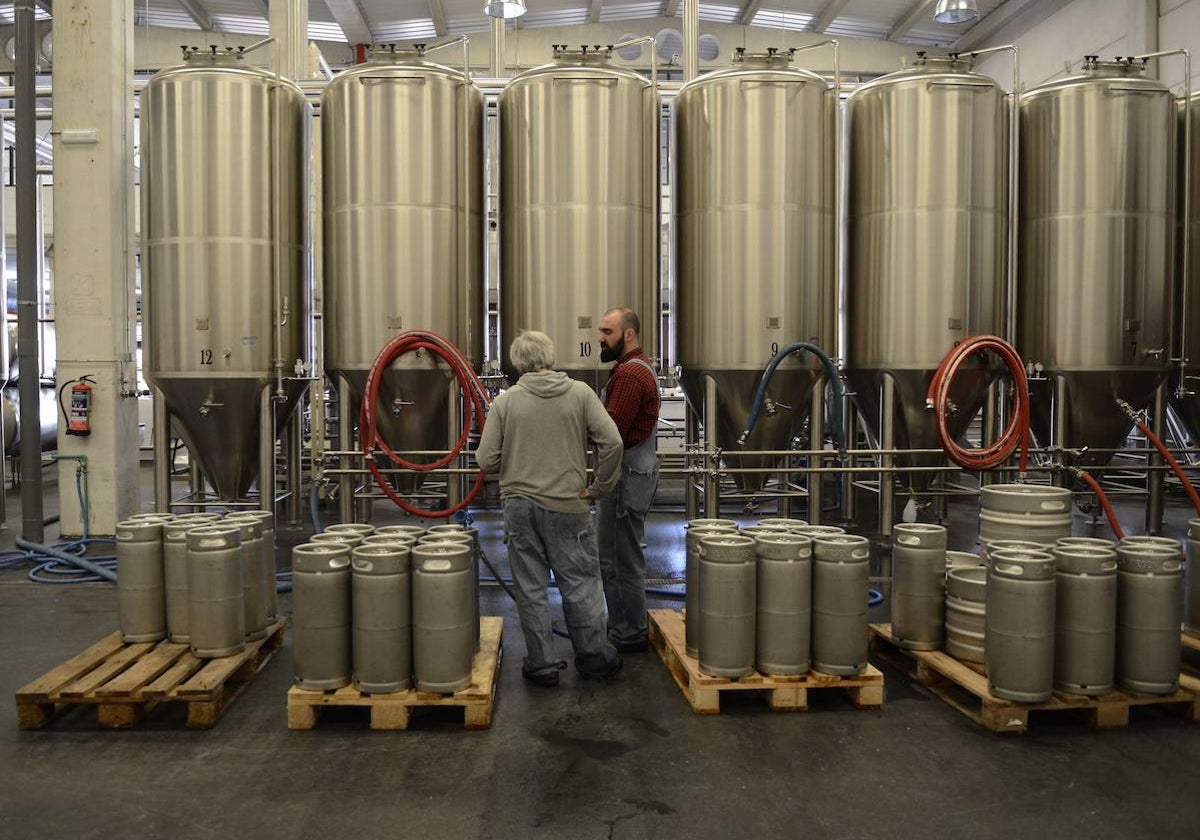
(380, 549)
(329, 547)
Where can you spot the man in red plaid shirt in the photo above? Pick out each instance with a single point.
(632, 401)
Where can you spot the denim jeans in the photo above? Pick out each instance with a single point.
(539, 541)
(622, 525)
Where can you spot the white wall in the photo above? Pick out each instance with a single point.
(1107, 28)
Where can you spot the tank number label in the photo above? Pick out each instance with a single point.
(774, 348)
(206, 357)
(585, 349)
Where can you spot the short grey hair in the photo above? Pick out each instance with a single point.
(532, 350)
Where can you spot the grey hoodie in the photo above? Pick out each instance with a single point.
(536, 439)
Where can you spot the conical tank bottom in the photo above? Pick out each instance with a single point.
(914, 427)
(411, 413)
(790, 387)
(217, 417)
(1092, 417)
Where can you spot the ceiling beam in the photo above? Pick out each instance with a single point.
(670, 8)
(197, 14)
(261, 5)
(1007, 21)
(828, 15)
(437, 13)
(749, 11)
(911, 18)
(349, 16)
(594, 11)
(44, 5)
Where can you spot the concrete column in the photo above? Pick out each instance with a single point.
(93, 245)
(289, 27)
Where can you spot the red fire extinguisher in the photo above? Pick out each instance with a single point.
(79, 416)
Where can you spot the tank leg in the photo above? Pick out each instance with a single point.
(1060, 430)
(691, 439)
(454, 481)
(195, 482)
(266, 450)
(345, 442)
(990, 429)
(848, 501)
(712, 482)
(816, 442)
(887, 442)
(295, 458)
(162, 454)
(1156, 478)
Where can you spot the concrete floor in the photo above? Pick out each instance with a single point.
(621, 760)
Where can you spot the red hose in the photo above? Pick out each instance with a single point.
(1016, 433)
(474, 402)
(1091, 482)
(1170, 459)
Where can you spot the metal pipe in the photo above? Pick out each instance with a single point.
(691, 438)
(496, 54)
(345, 438)
(161, 444)
(295, 460)
(28, 244)
(1060, 419)
(1185, 254)
(848, 501)
(645, 39)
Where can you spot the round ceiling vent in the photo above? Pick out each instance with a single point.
(710, 47)
(633, 52)
(669, 42)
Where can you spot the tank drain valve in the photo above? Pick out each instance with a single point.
(398, 406)
(772, 407)
(206, 408)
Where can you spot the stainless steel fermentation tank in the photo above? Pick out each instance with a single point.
(927, 242)
(755, 187)
(1185, 393)
(224, 274)
(402, 156)
(1096, 259)
(579, 222)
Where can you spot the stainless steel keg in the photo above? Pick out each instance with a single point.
(415, 530)
(755, 531)
(382, 608)
(1085, 616)
(1032, 512)
(390, 539)
(346, 538)
(216, 608)
(783, 629)
(966, 612)
(1010, 545)
(695, 530)
(1019, 648)
(141, 590)
(1191, 613)
(1149, 612)
(270, 584)
(254, 596)
(783, 522)
(175, 574)
(819, 530)
(443, 635)
(961, 558)
(841, 568)
(727, 605)
(456, 531)
(321, 635)
(361, 529)
(918, 585)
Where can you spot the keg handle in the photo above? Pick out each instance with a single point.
(1009, 569)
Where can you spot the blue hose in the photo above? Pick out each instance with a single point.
(835, 382)
(90, 565)
(874, 597)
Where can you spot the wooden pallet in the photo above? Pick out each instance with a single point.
(1190, 642)
(964, 686)
(392, 711)
(125, 681)
(783, 694)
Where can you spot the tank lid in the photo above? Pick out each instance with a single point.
(773, 58)
(213, 55)
(390, 54)
(593, 55)
(1119, 66)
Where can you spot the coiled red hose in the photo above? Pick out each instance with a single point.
(1170, 459)
(1109, 513)
(475, 400)
(1015, 434)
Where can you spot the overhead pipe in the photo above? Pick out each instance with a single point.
(691, 39)
(27, 264)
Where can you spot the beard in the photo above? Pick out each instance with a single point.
(613, 351)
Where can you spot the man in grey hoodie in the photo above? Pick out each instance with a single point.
(535, 438)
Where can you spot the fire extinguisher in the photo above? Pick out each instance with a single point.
(79, 416)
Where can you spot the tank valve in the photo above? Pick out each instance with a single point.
(398, 406)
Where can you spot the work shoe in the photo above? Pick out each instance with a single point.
(640, 646)
(607, 674)
(545, 678)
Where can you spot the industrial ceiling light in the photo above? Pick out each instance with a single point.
(504, 9)
(955, 11)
